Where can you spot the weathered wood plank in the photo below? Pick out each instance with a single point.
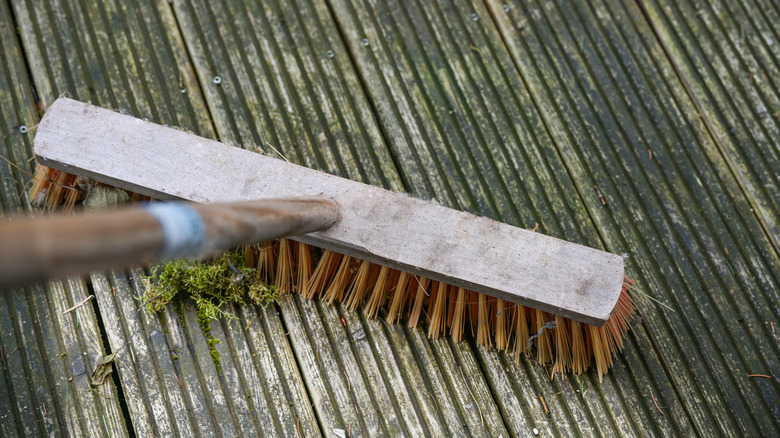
(24, 406)
(17, 119)
(52, 343)
(724, 61)
(242, 378)
(97, 410)
(196, 394)
(336, 388)
(99, 51)
(288, 405)
(36, 371)
(607, 109)
(362, 373)
(376, 360)
(458, 363)
(420, 389)
(447, 406)
(134, 364)
(206, 375)
(239, 399)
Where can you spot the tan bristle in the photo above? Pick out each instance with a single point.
(56, 189)
(284, 267)
(544, 350)
(433, 291)
(320, 278)
(451, 303)
(249, 255)
(522, 346)
(340, 282)
(304, 268)
(459, 315)
(438, 315)
(40, 187)
(598, 350)
(379, 292)
(483, 322)
(563, 356)
(360, 283)
(72, 195)
(411, 294)
(580, 360)
(399, 294)
(501, 336)
(419, 299)
(567, 345)
(266, 266)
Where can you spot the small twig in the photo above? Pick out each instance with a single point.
(275, 150)
(16, 166)
(760, 375)
(656, 403)
(639, 291)
(84, 301)
(544, 405)
(601, 196)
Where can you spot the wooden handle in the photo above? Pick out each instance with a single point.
(56, 246)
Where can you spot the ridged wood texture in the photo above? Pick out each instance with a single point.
(515, 110)
(45, 355)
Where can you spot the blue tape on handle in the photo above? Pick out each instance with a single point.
(183, 230)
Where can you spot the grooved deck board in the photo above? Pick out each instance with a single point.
(508, 109)
(728, 56)
(130, 57)
(681, 217)
(45, 356)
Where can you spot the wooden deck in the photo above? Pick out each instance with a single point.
(647, 127)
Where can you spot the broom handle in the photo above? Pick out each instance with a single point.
(56, 246)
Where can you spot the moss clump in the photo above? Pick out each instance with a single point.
(211, 285)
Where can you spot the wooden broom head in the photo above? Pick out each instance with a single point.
(513, 289)
(382, 227)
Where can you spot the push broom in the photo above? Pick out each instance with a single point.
(519, 290)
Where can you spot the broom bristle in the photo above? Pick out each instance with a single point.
(459, 318)
(304, 265)
(437, 313)
(284, 267)
(419, 299)
(566, 344)
(399, 294)
(335, 292)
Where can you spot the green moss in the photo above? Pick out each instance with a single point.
(211, 341)
(210, 285)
